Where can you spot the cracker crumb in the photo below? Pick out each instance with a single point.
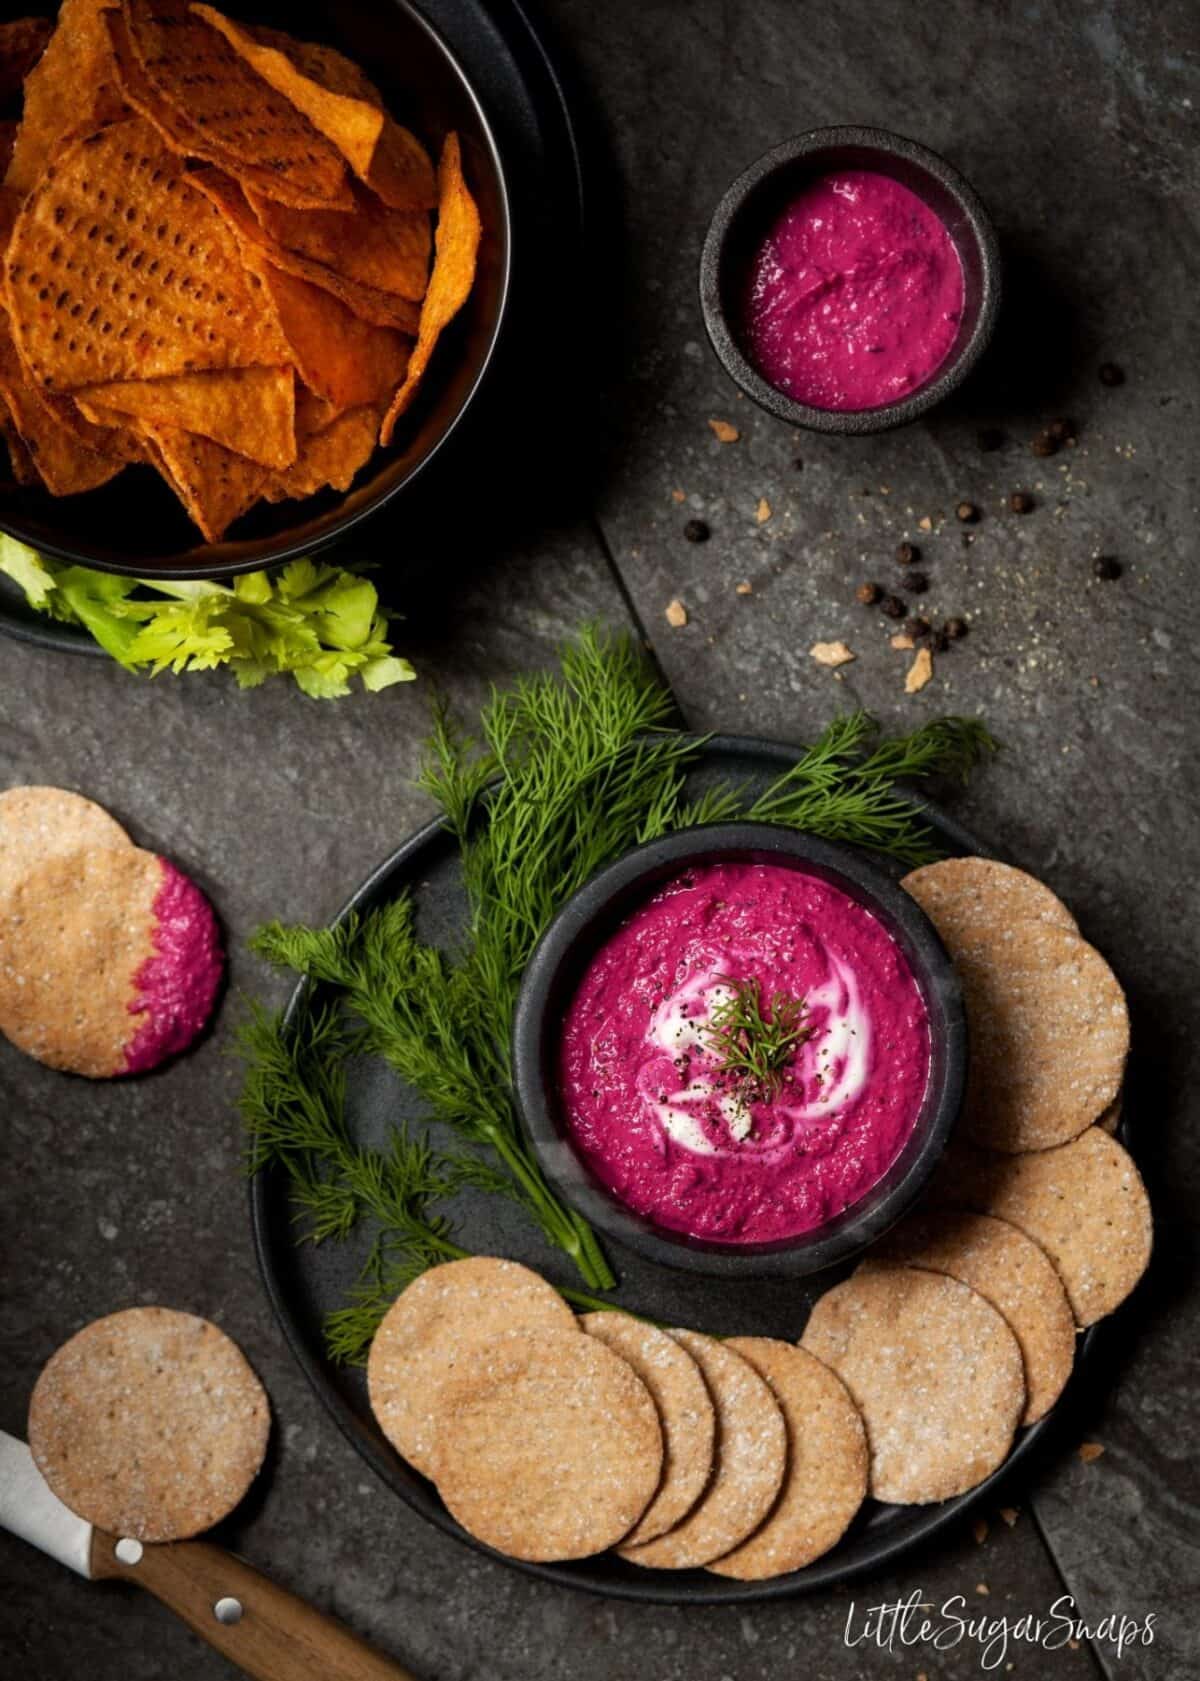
(980, 1530)
(724, 432)
(676, 613)
(925, 523)
(745, 587)
(678, 496)
(902, 640)
(1089, 1451)
(831, 653)
(982, 1587)
(919, 672)
(1010, 1515)
(763, 512)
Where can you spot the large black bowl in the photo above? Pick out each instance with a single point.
(135, 525)
(595, 912)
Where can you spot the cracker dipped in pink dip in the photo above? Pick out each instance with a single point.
(691, 1147)
(855, 296)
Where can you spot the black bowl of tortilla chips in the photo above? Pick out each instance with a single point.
(251, 291)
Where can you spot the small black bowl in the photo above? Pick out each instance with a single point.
(755, 198)
(595, 912)
(135, 525)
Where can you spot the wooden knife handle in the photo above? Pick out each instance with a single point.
(276, 1637)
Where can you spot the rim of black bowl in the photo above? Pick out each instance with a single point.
(232, 556)
(740, 196)
(594, 912)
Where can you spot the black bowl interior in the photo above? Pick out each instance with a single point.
(134, 524)
(584, 925)
(754, 201)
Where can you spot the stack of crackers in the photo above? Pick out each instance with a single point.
(552, 1437)
(217, 257)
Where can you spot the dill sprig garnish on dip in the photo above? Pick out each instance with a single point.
(571, 769)
(753, 1049)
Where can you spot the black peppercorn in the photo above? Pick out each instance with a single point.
(939, 641)
(868, 594)
(907, 553)
(916, 583)
(967, 512)
(955, 629)
(1062, 431)
(1106, 568)
(917, 627)
(696, 531)
(1021, 502)
(1110, 374)
(990, 438)
(1044, 444)
(892, 606)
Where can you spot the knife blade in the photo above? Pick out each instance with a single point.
(29, 1509)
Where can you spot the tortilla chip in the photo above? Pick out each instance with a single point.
(457, 247)
(8, 139)
(63, 464)
(338, 99)
(313, 413)
(22, 43)
(155, 285)
(215, 485)
(382, 309)
(19, 459)
(329, 459)
(72, 88)
(241, 120)
(373, 244)
(251, 411)
(343, 359)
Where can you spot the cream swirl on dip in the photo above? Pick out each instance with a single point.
(651, 1100)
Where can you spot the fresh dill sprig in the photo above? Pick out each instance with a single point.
(753, 1048)
(569, 770)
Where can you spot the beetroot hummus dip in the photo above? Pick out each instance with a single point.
(855, 296)
(655, 1111)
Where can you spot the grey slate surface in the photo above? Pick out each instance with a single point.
(1074, 123)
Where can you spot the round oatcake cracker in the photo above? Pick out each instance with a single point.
(149, 1423)
(1009, 1270)
(40, 823)
(110, 961)
(1084, 1203)
(934, 1370)
(548, 1445)
(976, 898)
(748, 1474)
(432, 1323)
(1049, 1032)
(826, 1478)
(685, 1412)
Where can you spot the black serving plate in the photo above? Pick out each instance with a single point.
(513, 75)
(305, 1282)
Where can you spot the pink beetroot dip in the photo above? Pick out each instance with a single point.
(855, 295)
(176, 987)
(644, 1100)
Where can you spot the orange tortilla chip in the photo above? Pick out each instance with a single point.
(155, 285)
(251, 411)
(329, 459)
(240, 119)
(215, 485)
(382, 309)
(338, 99)
(71, 88)
(343, 359)
(19, 459)
(373, 245)
(64, 465)
(457, 248)
(22, 43)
